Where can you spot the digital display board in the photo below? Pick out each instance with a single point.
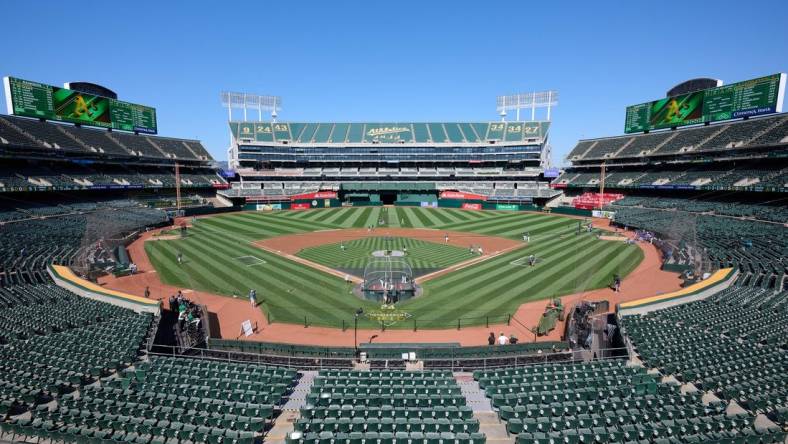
(755, 97)
(33, 99)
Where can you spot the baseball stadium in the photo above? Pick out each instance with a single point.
(400, 282)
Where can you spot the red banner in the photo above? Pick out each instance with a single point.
(461, 195)
(471, 206)
(317, 195)
(300, 206)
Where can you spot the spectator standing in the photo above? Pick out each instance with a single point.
(502, 339)
(491, 339)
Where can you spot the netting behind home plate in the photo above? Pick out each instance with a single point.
(388, 279)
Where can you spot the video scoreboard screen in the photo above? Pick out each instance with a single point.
(743, 99)
(33, 99)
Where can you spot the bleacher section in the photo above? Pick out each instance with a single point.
(755, 132)
(21, 133)
(18, 175)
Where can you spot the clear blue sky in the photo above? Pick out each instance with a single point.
(391, 61)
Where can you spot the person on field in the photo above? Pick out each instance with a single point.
(446, 238)
(253, 297)
(180, 258)
(502, 339)
(147, 292)
(531, 260)
(491, 339)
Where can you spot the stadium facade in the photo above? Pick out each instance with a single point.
(497, 160)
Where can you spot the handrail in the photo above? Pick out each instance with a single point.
(319, 363)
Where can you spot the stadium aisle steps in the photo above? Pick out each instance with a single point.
(493, 428)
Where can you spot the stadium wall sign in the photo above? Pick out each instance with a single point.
(471, 206)
(317, 195)
(461, 195)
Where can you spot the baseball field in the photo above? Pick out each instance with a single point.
(222, 255)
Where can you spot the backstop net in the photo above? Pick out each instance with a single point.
(388, 279)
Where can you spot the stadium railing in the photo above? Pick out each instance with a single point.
(453, 364)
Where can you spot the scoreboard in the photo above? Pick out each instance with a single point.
(33, 99)
(755, 97)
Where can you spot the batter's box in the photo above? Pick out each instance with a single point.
(250, 261)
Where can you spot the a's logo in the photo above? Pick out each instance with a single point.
(387, 130)
(388, 315)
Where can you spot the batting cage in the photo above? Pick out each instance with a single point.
(388, 279)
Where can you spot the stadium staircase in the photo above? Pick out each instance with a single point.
(489, 423)
(284, 423)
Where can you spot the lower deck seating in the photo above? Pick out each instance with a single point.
(732, 344)
(347, 405)
(607, 402)
(75, 370)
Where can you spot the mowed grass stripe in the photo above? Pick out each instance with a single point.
(421, 219)
(492, 226)
(358, 253)
(361, 218)
(257, 228)
(373, 217)
(441, 216)
(456, 215)
(404, 219)
(458, 279)
(499, 289)
(325, 214)
(286, 276)
(516, 228)
(508, 295)
(432, 215)
(341, 216)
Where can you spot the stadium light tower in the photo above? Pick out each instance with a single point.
(245, 101)
(532, 100)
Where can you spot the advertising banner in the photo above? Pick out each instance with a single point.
(461, 195)
(317, 195)
(507, 207)
(300, 206)
(433, 204)
(471, 206)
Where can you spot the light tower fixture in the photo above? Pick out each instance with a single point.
(532, 100)
(246, 101)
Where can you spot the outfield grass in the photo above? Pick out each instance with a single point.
(422, 256)
(219, 258)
